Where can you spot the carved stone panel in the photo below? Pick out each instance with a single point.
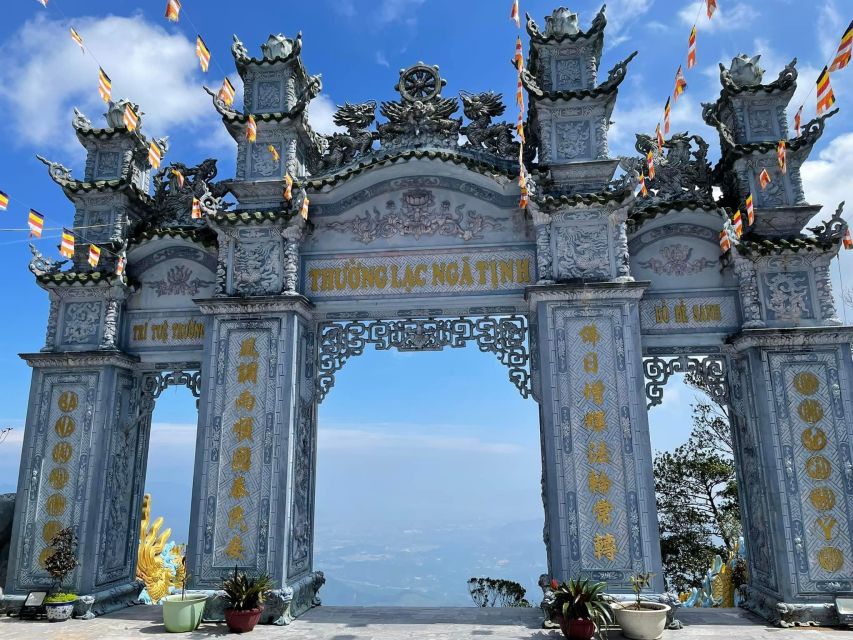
(108, 165)
(787, 296)
(581, 251)
(573, 140)
(567, 73)
(81, 322)
(257, 267)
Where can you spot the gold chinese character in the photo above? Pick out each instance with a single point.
(597, 453)
(604, 546)
(594, 420)
(247, 372)
(242, 459)
(594, 391)
(235, 548)
(245, 401)
(827, 525)
(589, 334)
(247, 348)
(238, 488)
(602, 510)
(598, 482)
(243, 428)
(590, 363)
(237, 519)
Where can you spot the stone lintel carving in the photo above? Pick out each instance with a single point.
(710, 370)
(80, 359)
(506, 337)
(794, 338)
(257, 305)
(585, 292)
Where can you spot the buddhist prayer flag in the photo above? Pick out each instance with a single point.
(798, 119)
(750, 211)
(519, 127)
(251, 129)
(763, 179)
(196, 212)
(179, 177)
(94, 255)
(848, 239)
(519, 93)
(131, 120)
(845, 50)
(273, 152)
(825, 96)
(155, 155)
(76, 38)
(4, 201)
(667, 110)
(203, 53)
(288, 187)
(643, 190)
(227, 92)
(66, 247)
(659, 137)
(304, 211)
(525, 198)
(782, 156)
(710, 7)
(105, 86)
(173, 10)
(42, 2)
(519, 55)
(121, 263)
(737, 220)
(36, 223)
(691, 49)
(680, 83)
(650, 162)
(725, 244)
(514, 14)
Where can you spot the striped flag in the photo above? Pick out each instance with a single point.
(848, 239)
(519, 94)
(763, 179)
(273, 152)
(42, 2)
(131, 120)
(196, 211)
(304, 211)
(519, 127)
(76, 38)
(4, 201)
(691, 48)
(750, 211)
(519, 55)
(173, 10)
(798, 119)
(105, 86)
(710, 7)
(825, 96)
(288, 187)
(643, 190)
(251, 129)
(179, 178)
(650, 162)
(680, 83)
(94, 255)
(524, 200)
(203, 53)
(667, 111)
(845, 50)
(36, 223)
(737, 220)
(227, 92)
(155, 155)
(782, 156)
(66, 247)
(514, 14)
(725, 244)
(121, 263)
(659, 137)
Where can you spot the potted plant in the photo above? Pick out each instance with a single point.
(245, 599)
(183, 612)
(60, 563)
(581, 608)
(641, 620)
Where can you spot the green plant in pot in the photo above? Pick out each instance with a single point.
(245, 600)
(639, 619)
(582, 608)
(182, 612)
(62, 560)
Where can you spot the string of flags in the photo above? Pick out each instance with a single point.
(823, 85)
(518, 59)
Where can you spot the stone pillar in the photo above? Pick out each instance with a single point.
(598, 485)
(83, 466)
(792, 393)
(253, 492)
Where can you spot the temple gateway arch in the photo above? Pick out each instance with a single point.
(592, 296)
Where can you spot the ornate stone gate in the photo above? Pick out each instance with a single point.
(592, 297)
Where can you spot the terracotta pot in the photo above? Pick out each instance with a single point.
(647, 623)
(242, 621)
(577, 628)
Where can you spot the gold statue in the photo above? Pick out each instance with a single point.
(159, 578)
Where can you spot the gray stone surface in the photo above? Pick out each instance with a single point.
(355, 623)
(7, 510)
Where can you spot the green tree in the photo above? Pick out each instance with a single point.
(697, 498)
(494, 592)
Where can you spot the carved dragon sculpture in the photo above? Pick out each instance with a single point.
(419, 118)
(496, 138)
(682, 174)
(343, 148)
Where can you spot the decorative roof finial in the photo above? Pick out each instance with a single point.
(744, 71)
(562, 22)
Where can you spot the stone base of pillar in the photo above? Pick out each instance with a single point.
(787, 614)
(87, 606)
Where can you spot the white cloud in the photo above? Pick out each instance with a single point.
(823, 176)
(829, 22)
(621, 15)
(726, 18)
(393, 10)
(147, 64)
(321, 112)
(381, 59)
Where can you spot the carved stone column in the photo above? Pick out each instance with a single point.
(792, 402)
(293, 235)
(598, 485)
(253, 492)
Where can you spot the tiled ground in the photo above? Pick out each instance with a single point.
(352, 623)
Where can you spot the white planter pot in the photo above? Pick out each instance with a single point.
(59, 611)
(646, 623)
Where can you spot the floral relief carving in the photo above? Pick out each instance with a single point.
(676, 262)
(179, 281)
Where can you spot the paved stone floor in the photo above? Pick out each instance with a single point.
(353, 623)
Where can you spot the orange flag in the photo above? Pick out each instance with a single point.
(251, 129)
(725, 244)
(798, 119)
(667, 110)
(750, 211)
(782, 156)
(691, 49)
(650, 162)
(680, 83)
(764, 178)
(845, 50)
(710, 7)
(825, 96)
(514, 14)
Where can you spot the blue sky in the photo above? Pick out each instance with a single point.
(456, 410)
